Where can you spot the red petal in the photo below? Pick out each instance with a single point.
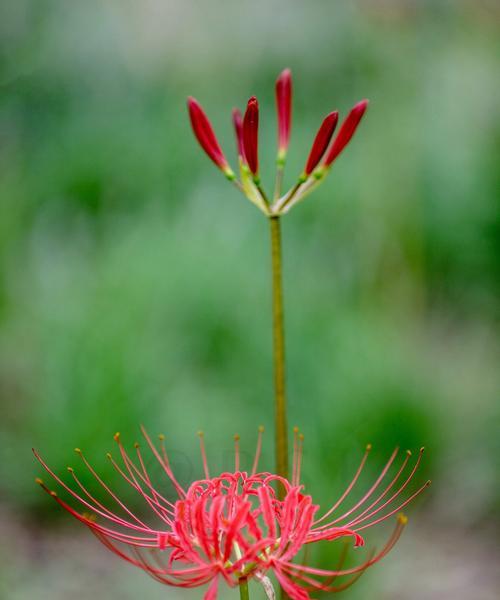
(250, 134)
(284, 108)
(321, 141)
(204, 133)
(346, 131)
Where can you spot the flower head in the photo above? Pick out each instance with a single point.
(233, 526)
(247, 129)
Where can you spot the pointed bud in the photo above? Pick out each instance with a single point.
(321, 142)
(250, 135)
(205, 135)
(284, 110)
(346, 132)
(238, 130)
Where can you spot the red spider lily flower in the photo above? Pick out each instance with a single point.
(232, 527)
(238, 130)
(205, 135)
(284, 111)
(251, 135)
(320, 159)
(321, 141)
(346, 131)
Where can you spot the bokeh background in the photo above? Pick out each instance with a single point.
(135, 285)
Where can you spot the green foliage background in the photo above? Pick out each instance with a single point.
(135, 285)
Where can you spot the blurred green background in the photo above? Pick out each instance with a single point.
(135, 285)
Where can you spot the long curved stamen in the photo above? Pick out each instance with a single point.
(106, 487)
(371, 490)
(349, 487)
(163, 460)
(258, 450)
(299, 458)
(295, 454)
(361, 517)
(102, 506)
(300, 570)
(399, 508)
(134, 474)
(84, 502)
(127, 538)
(203, 454)
(236, 452)
(158, 498)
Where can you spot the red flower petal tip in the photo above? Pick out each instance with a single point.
(346, 131)
(204, 133)
(284, 109)
(321, 141)
(250, 135)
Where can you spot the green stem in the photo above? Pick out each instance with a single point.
(279, 353)
(244, 595)
(279, 181)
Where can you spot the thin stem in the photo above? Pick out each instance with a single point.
(281, 448)
(244, 595)
(279, 181)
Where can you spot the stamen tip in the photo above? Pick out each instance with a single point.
(116, 437)
(236, 437)
(70, 469)
(161, 437)
(108, 455)
(78, 451)
(261, 429)
(409, 452)
(422, 450)
(200, 433)
(301, 437)
(136, 445)
(368, 447)
(39, 480)
(295, 429)
(53, 494)
(402, 519)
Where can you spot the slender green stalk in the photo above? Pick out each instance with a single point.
(281, 431)
(279, 181)
(244, 595)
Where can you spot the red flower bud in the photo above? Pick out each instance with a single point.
(284, 109)
(346, 131)
(205, 135)
(238, 130)
(321, 141)
(250, 135)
